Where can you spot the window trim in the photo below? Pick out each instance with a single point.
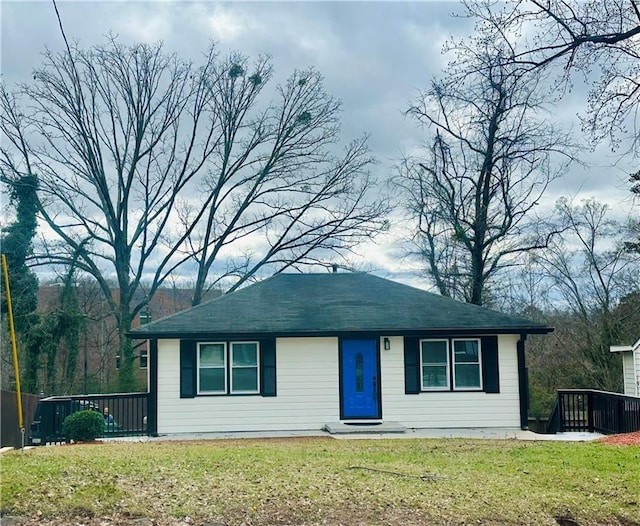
(447, 365)
(228, 369)
(451, 365)
(231, 367)
(479, 362)
(144, 355)
(224, 367)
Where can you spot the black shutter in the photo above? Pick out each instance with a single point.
(411, 365)
(268, 367)
(188, 369)
(490, 373)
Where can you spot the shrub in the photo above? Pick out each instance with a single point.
(83, 426)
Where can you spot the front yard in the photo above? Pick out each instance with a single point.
(317, 481)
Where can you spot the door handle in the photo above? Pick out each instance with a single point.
(375, 387)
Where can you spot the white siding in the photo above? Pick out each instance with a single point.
(628, 373)
(636, 359)
(451, 409)
(308, 394)
(307, 385)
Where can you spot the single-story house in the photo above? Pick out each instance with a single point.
(299, 351)
(630, 367)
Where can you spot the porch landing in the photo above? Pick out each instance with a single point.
(340, 428)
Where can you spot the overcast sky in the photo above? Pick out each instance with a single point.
(374, 57)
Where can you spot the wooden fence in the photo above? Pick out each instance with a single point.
(9, 430)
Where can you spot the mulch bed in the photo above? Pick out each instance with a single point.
(623, 439)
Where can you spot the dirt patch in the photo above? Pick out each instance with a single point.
(623, 439)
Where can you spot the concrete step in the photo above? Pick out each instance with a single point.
(340, 428)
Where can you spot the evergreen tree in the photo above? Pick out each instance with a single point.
(17, 247)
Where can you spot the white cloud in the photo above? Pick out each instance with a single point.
(228, 25)
(148, 25)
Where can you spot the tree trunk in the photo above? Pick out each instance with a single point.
(126, 379)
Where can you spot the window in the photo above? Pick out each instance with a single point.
(228, 368)
(212, 368)
(450, 364)
(144, 363)
(359, 373)
(466, 364)
(244, 367)
(435, 364)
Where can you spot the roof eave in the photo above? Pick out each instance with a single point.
(477, 331)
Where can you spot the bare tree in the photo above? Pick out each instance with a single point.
(488, 159)
(634, 224)
(122, 138)
(274, 181)
(590, 272)
(591, 42)
(599, 39)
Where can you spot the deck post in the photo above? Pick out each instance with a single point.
(561, 412)
(620, 417)
(590, 410)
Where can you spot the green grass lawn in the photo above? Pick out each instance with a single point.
(325, 481)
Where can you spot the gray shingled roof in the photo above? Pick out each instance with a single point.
(316, 304)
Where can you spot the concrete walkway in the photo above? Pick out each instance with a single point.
(482, 433)
(477, 433)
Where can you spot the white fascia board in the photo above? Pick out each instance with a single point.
(620, 348)
(625, 348)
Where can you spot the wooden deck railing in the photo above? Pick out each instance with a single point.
(594, 411)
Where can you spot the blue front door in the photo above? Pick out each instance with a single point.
(359, 380)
